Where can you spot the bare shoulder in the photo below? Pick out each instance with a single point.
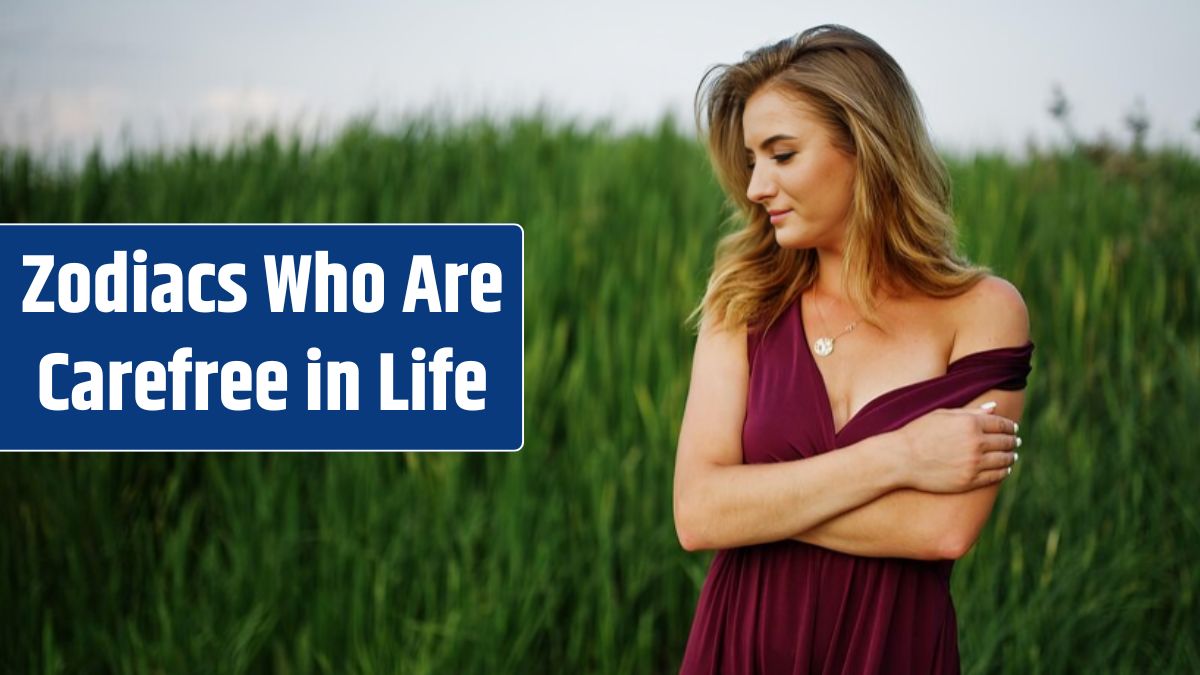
(716, 401)
(722, 345)
(990, 315)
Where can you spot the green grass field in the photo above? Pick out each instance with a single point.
(563, 558)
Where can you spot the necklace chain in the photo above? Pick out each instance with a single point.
(823, 346)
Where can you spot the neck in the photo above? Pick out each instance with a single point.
(829, 282)
(829, 275)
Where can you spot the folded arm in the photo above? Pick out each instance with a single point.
(722, 503)
(909, 523)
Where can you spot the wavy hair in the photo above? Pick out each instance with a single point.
(900, 227)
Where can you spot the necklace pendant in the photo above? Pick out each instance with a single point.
(823, 346)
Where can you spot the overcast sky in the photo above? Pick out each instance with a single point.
(163, 72)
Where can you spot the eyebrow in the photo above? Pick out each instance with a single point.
(777, 137)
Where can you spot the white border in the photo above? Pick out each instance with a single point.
(273, 450)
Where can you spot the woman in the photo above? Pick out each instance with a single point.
(840, 318)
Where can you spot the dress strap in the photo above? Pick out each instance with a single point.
(1001, 368)
(965, 379)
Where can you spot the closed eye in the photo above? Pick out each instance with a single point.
(780, 158)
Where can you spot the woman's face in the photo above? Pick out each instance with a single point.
(798, 176)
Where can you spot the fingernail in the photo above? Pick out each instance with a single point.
(1018, 441)
(1016, 427)
(1010, 469)
(989, 406)
(1016, 457)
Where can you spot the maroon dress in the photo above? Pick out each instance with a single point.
(790, 607)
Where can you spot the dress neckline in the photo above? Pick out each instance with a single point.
(827, 403)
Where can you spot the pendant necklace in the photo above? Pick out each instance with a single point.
(823, 346)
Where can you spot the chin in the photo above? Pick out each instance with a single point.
(786, 238)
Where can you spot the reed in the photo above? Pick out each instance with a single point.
(563, 557)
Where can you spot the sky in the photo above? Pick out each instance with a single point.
(149, 74)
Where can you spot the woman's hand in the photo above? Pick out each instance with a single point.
(959, 449)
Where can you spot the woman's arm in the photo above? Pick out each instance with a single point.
(910, 523)
(720, 502)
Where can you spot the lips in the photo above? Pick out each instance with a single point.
(777, 216)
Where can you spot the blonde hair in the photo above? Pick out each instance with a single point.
(900, 226)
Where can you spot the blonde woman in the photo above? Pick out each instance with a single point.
(856, 385)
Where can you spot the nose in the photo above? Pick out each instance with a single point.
(761, 187)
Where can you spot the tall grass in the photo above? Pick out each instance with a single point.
(563, 557)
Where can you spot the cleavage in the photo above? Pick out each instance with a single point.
(860, 358)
